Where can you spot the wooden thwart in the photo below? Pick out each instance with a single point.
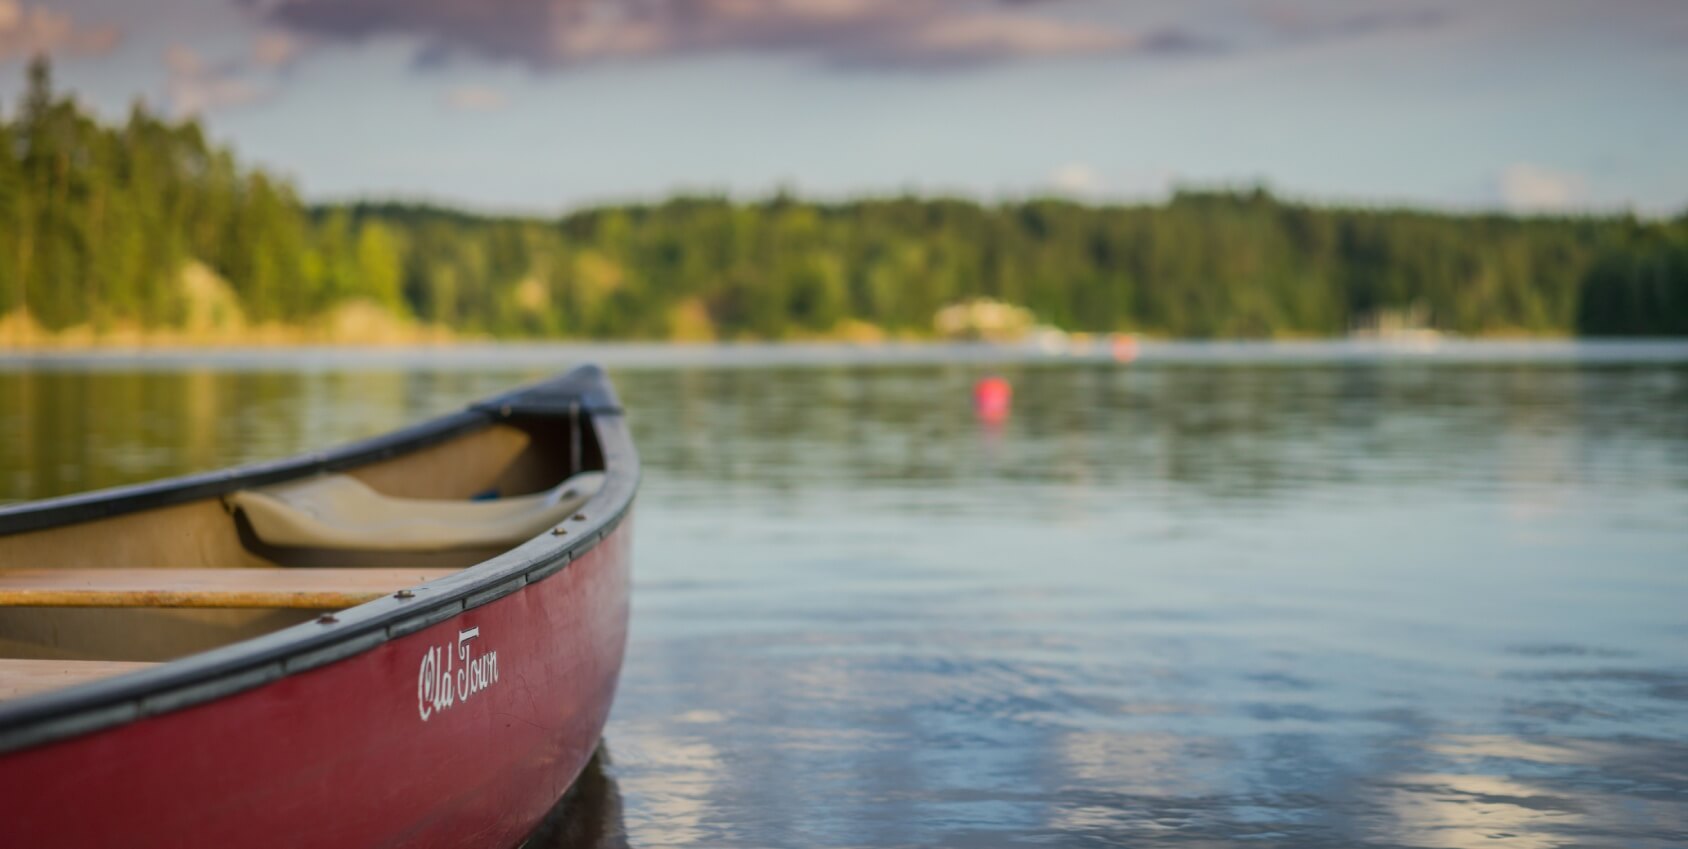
(19, 678)
(313, 589)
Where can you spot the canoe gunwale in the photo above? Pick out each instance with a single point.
(207, 676)
(583, 390)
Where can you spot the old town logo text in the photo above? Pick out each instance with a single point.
(452, 674)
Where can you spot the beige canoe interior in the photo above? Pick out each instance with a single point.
(106, 596)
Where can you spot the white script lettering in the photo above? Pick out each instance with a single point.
(452, 674)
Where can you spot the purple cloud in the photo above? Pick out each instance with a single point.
(1313, 23)
(561, 33)
(197, 86)
(29, 30)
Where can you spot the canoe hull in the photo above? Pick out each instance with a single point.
(463, 733)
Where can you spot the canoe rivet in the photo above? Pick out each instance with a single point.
(580, 517)
(559, 531)
(326, 619)
(404, 594)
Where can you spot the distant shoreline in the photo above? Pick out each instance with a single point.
(551, 355)
(235, 257)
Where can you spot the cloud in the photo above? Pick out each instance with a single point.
(1531, 188)
(980, 39)
(474, 98)
(276, 49)
(31, 30)
(1308, 23)
(196, 87)
(561, 33)
(182, 61)
(1077, 179)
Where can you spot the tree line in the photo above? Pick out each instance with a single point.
(98, 222)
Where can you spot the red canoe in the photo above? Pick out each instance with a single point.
(408, 641)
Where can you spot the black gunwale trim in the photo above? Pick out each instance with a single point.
(224, 671)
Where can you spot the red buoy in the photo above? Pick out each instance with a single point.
(1123, 348)
(992, 396)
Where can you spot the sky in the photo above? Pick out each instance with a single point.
(546, 105)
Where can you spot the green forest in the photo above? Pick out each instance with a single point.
(148, 224)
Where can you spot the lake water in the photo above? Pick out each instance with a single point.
(1225, 596)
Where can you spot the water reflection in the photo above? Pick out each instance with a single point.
(1333, 604)
(69, 431)
(1214, 605)
(588, 816)
(1540, 793)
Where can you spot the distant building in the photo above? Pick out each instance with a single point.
(1410, 323)
(984, 319)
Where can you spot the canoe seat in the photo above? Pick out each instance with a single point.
(19, 678)
(342, 512)
(310, 589)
